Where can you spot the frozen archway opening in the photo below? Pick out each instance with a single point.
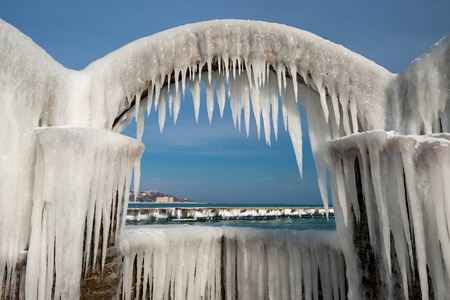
(219, 139)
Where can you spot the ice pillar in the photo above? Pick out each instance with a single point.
(79, 171)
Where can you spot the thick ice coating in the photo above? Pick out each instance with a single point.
(82, 179)
(200, 262)
(405, 184)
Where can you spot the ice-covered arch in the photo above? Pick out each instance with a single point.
(342, 92)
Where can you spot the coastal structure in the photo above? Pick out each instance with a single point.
(224, 213)
(382, 138)
(156, 197)
(165, 199)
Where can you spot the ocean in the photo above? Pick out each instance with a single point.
(299, 224)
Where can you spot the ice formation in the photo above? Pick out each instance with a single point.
(200, 262)
(405, 183)
(223, 213)
(253, 64)
(96, 177)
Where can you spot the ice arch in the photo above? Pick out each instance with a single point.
(342, 92)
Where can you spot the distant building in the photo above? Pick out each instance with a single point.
(165, 199)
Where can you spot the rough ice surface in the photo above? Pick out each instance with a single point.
(255, 66)
(82, 175)
(200, 262)
(407, 199)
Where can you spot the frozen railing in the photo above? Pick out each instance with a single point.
(200, 262)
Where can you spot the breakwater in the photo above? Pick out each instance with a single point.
(223, 213)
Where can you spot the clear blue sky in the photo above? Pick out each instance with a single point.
(217, 163)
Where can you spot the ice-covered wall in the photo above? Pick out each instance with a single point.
(203, 262)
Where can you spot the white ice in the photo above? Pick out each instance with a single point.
(82, 178)
(404, 180)
(204, 262)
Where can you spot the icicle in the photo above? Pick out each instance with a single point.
(354, 114)
(339, 188)
(170, 100)
(176, 106)
(255, 97)
(183, 81)
(279, 76)
(335, 104)
(323, 97)
(208, 63)
(274, 102)
(150, 98)
(294, 125)
(177, 80)
(226, 61)
(345, 117)
(220, 91)
(136, 106)
(284, 111)
(157, 96)
(265, 109)
(210, 99)
(246, 104)
(416, 211)
(140, 121)
(294, 81)
(194, 86)
(350, 184)
(162, 109)
(249, 72)
(318, 133)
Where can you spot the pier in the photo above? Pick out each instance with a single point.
(223, 213)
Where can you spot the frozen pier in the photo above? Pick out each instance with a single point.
(223, 213)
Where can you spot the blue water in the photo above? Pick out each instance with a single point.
(280, 223)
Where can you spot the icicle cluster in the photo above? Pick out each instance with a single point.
(82, 177)
(407, 199)
(197, 262)
(353, 83)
